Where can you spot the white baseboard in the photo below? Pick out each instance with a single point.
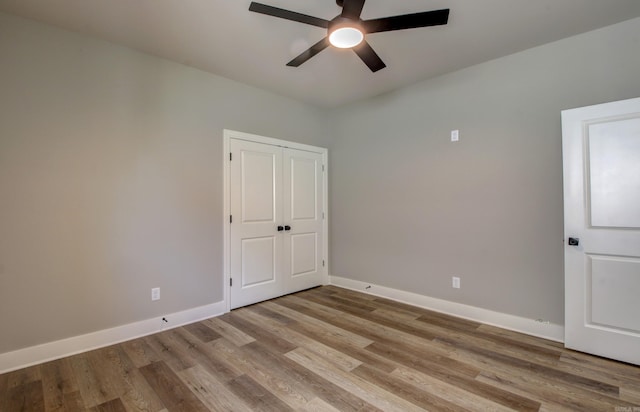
(532, 327)
(45, 352)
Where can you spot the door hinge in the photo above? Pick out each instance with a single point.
(230, 281)
(323, 168)
(323, 215)
(230, 218)
(230, 156)
(323, 263)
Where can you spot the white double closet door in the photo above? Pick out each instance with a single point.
(276, 223)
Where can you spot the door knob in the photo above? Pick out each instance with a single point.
(287, 227)
(280, 228)
(574, 241)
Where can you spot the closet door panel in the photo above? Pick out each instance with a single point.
(302, 208)
(256, 253)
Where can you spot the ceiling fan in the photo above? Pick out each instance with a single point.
(347, 30)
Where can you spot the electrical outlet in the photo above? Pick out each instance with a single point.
(455, 282)
(155, 294)
(455, 135)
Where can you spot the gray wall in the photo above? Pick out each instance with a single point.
(111, 180)
(409, 209)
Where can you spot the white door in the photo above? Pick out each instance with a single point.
(303, 237)
(276, 235)
(601, 150)
(256, 212)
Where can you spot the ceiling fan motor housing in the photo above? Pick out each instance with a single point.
(339, 22)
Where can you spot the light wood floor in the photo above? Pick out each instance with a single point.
(327, 349)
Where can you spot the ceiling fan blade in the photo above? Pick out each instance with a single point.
(407, 21)
(288, 15)
(351, 9)
(309, 53)
(369, 56)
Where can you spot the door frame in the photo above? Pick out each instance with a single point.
(232, 134)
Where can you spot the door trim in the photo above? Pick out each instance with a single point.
(232, 134)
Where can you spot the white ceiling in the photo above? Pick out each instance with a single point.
(224, 38)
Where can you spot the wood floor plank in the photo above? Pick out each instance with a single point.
(114, 405)
(203, 355)
(592, 372)
(550, 373)
(268, 313)
(362, 388)
(550, 393)
(72, 403)
(547, 403)
(135, 392)
(327, 329)
(392, 384)
(232, 334)
(327, 349)
(460, 377)
(170, 351)
(175, 395)
(258, 333)
(499, 345)
(501, 341)
(452, 393)
(537, 386)
(202, 331)
(340, 359)
(4, 391)
(258, 398)
(394, 315)
(213, 393)
(58, 380)
(109, 376)
(367, 314)
(630, 395)
(319, 386)
(265, 372)
(372, 330)
(90, 382)
(23, 376)
(337, 299)
(26, 397)
(140, 353)
(318, 405)
(524, 338)
(622, 370)
(347, 346)
(327, 391)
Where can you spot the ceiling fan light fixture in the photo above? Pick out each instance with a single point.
(346, 37)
